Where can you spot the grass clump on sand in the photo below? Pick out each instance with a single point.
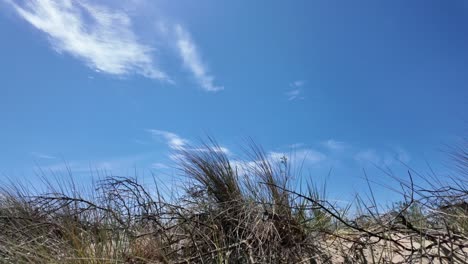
(231, 213)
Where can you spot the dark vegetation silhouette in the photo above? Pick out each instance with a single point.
(234, 213)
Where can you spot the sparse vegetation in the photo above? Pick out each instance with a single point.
(232, 214)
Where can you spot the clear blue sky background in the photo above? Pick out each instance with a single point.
(342, 84)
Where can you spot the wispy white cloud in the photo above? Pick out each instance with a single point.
(176, 142)
(298, 83)
(173, 140)
(296, 91)
(383, 158)
(277, 156)
(368, 156)
(43, 156)
(123, 165)
(218, 150)
(294, 95)
(310, 155)
(100, 37)
(81, 167)
(190, 55)
(244, 167)
(103, 37)
(295, 160)
(334, 145)
(298, 156)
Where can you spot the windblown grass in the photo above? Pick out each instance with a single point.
(229, 214)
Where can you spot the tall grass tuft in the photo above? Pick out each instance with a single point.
(232, 212)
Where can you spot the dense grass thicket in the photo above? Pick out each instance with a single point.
(249, 213)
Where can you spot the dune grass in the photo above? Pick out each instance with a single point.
(232, 214)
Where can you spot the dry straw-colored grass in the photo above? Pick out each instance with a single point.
(225, 216)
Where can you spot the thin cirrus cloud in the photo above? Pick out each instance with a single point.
(176, 142)
(173, 140)
(190, 55)
(100, 37)
(119, 165)
(384, 159)
(334, 145)
(295, 93)
(298, 156)
(103, 38)
(295, 160)
(298, 83)
(43, 156)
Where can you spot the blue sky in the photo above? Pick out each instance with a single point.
(118, 85)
